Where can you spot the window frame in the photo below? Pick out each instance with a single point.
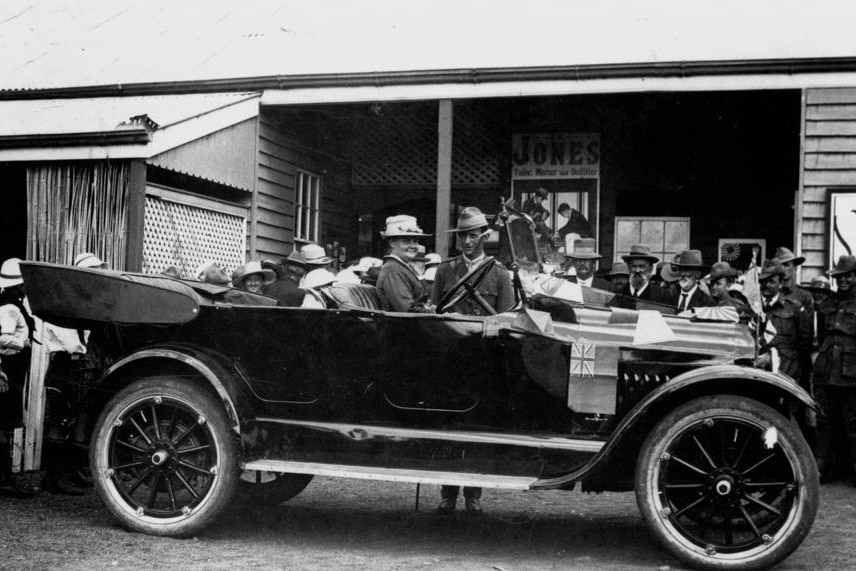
(307, 206)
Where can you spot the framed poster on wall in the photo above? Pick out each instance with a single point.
(742, 253)
(842, 224)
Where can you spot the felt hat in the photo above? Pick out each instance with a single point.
(784, 255)
(89, 260)
(584, 249)
(722, 270)
(315, 255)
(249, 269)
(819, 284)
(10, 273)
(640, 252)
(771, 268)
(845, 264)
(402, 226)
(470, 218)
(667, 272)
(295, 258)
(689, 260)
(618, 269)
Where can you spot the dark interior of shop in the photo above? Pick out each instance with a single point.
(13, 212)
(727, 160)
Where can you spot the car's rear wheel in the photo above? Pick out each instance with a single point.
(272, 488)
(163, 457)
(726, 482)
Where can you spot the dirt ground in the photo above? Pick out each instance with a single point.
(338, 523)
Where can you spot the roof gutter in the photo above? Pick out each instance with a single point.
(102, 138)
(471, 76)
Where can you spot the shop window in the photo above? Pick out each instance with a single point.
(307, 208)
(665, 236)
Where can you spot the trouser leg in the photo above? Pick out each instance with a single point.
(449, 492)
(472, 493)
(829, 428)
(848, 448)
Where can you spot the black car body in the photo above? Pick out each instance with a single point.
(200, 395)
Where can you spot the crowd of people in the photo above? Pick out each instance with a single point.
(808, 333)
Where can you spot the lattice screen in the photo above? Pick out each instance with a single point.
(399, 147)
(186, 236)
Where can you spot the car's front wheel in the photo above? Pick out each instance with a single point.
(163, 457)
(725, 482)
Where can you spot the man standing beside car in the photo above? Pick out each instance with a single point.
(472, 231)
(835, 376)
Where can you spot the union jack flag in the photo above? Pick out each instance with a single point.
(583, 360)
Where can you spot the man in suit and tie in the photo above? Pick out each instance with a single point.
(640, 290)
(584, 261)
(690, 268)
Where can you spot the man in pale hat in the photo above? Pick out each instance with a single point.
(16, 333)
(318, 265)
(472, 230)
(835, 376)
(690, 268)
(398, 286)
(354, 273)
(640, 291)
(584, 261)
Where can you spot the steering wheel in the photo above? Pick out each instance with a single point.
(468, 286)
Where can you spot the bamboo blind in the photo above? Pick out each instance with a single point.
(75, 208)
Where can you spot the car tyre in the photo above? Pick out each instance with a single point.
(726, 482)
(164, 458)
(272, 488)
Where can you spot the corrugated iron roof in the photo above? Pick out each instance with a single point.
(74, 43)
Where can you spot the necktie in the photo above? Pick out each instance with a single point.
(682, 303)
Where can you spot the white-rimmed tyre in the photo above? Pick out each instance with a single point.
(164, 459)
(726, 482)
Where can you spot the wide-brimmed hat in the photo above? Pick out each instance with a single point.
(640, 252)
(366, 263)
(819, 284)
(844, 265)
(295, 258)
(89, 260)
(401, 226)
(584, 249)
(771, 268)
(251, 268)
(470, 218)
(689, 260)
(432, 259)
(667, 272)
(784, 255)
(618, 269)
(315, 255)
(722, 270)
(10, 273)
(318, 278)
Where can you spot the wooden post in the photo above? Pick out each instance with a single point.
(34, 415)
(136, 217)
(444, 177)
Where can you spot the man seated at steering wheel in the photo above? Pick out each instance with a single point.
(494, 288)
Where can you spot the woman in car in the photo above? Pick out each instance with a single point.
(251, 277)
(398, 285)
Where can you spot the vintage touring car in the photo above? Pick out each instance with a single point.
(201, 398)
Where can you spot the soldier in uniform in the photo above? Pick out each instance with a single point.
(495, 289)
(722, 277)
(835, 376)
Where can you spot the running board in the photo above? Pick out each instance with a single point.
(393, 474)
